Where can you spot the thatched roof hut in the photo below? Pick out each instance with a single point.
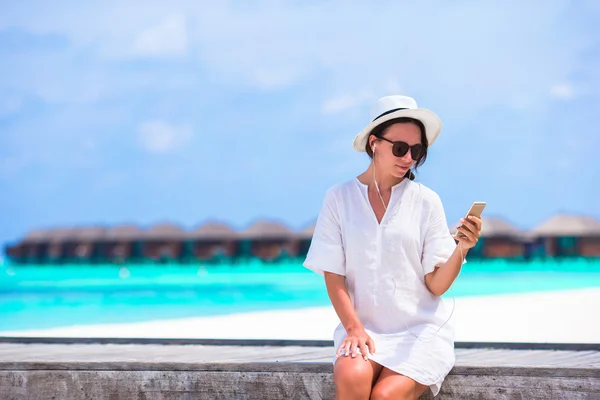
(165, 232)
(267, 230)
(213, 231)
(121, 233)
(89, 234)
(498, 227)
(61, 235)
(213, 239)
(568, 225)
(36, 236)
(495, 227)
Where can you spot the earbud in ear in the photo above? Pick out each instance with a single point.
(374, 145)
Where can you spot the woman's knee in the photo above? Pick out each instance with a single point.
(353, 373)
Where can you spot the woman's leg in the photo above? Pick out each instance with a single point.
(392, 385)
(354, 377)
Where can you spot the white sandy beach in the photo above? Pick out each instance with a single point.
(558, 316)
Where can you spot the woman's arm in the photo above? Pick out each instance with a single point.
(440, 280)
(342, 304)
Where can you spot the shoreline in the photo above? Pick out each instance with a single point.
(538, 317)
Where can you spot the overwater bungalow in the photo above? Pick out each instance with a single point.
(122, 243)
(268, 240)
(57, 241)
(83, 244)
(567, 235)
(32, 249)
(501, 239)
(163, 242)
(213, 242)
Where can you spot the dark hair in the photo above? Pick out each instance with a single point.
(380, 130)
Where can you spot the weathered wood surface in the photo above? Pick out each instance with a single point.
(167, 385)
(153, 385)
(117, 353)
(157, 372)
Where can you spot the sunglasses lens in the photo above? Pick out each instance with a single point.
(416, 151)
(400, 149)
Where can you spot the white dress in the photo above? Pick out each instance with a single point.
(384, 266)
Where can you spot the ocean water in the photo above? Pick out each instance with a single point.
(40, 297)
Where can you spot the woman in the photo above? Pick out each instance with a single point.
(383, 245)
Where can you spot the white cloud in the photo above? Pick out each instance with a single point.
(473, 60)
(470, 60)
(162, 137)
(169, 38)
(562, 91)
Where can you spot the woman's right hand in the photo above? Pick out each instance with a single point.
(357, 339)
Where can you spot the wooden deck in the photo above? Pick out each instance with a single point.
(70, 370)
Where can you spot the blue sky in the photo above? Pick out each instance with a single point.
(145, 112)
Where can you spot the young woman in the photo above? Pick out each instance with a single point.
(383, 245)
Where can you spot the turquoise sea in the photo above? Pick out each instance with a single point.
(38, 297)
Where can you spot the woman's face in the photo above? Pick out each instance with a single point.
(385, 159)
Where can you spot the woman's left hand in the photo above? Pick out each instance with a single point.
(471, 228)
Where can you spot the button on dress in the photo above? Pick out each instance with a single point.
(385, 266)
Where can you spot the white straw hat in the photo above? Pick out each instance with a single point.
(391, 107)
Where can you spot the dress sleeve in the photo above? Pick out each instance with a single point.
(438, 243)
(326, 251)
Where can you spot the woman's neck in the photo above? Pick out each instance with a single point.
(385, 181)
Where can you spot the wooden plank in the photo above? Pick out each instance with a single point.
(157, 372)
(129, 353)
(151, 385)
(475, 387)
(167, 385)
(282, 343)
(530, 358)
(14, 352)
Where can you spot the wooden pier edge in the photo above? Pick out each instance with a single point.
(51, 376)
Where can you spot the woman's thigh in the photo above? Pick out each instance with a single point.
(392, 385)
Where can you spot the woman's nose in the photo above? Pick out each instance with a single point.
(407, 157)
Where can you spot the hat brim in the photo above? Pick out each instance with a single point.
(432, 123)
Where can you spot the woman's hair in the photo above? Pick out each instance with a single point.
(381, 129)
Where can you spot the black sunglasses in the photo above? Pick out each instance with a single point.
(399, 149)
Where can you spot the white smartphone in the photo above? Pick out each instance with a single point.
(476, 210)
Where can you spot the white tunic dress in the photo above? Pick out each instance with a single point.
(384, 266)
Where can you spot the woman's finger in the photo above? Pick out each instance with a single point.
(341, 347)
(469, 235)
(364, 350)
(477, 221)
(354, 348)
(348, 345)
(371, 345)
(470, 225)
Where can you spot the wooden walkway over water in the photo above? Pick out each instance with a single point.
(115, 369)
